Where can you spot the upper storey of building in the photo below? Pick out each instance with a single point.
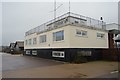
(69, 19)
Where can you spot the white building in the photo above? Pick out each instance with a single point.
(67, 36)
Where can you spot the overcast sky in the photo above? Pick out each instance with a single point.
(19, 17)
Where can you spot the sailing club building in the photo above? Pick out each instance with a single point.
(66, 37)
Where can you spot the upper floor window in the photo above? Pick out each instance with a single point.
(30, 41)
(26, 42)
(58, 36)
(42, 38)
(34, 40)
(81, 33)
(100, 35)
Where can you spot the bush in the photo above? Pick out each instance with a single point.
(80, 59)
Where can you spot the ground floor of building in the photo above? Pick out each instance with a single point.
(72, 54)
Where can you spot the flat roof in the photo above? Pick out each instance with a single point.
(68, 19)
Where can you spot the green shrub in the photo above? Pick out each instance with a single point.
(80, 59)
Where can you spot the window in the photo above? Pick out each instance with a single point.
(59, 22)
(66, 20)
(34, 52)
(84, 53)
(30, 41)
(58, 36)
(42, 38)
(81, 33)
(27, 52)
(100, 35)
(76, 22)
(58, 54)
(26, 42)
(34, 40)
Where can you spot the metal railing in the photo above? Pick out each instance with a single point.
(68, 18)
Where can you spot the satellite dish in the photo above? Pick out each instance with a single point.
(101, 18)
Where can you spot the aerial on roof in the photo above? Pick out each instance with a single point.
(68, 19)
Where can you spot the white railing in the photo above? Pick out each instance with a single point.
(68, 18)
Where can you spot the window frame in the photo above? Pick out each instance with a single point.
(41, 40)
(60, 54)
(81, 33)
(100, 35)
(27, 52)
(26, 42)
(30, 41)
(34, 52)
(34, 40)
(58, 36)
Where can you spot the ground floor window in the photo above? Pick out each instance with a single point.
(58, 54)
(27, 52)
(34, 52)
(85, 53)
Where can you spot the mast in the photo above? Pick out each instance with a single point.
(69, 6)
(54, 9)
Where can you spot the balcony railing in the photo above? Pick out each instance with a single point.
(68, 19)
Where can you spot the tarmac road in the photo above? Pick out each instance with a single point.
(15, 62)
(113, 75)
(0, 65)
(18, 66)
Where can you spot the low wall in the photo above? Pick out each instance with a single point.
(111, 54)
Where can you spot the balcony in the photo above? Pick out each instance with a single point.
(68, 19)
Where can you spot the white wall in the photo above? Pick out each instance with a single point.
(90, 41)
(71, 40)
(59, 44)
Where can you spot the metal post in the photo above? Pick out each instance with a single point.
(90, 21)
(54, 9)
(69, 6)
(54, 12)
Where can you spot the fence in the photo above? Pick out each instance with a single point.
(111, 54)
